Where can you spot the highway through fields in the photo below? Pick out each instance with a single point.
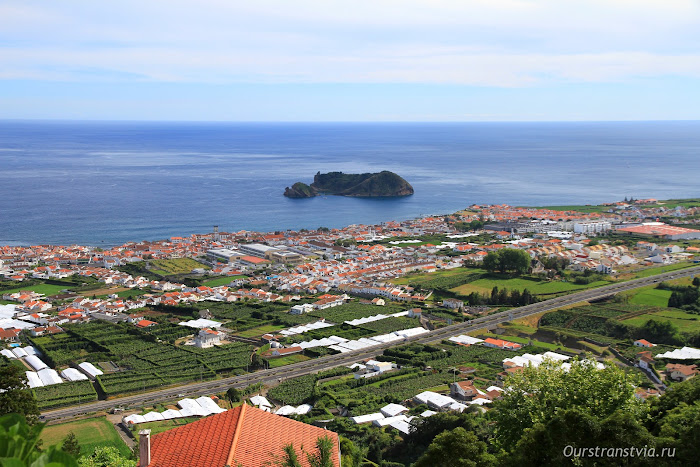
(275, 375)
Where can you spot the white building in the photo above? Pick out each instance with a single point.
(207, 338)
(592, 227)
(301, 309)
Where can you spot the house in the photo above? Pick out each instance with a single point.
(645, 360)
(644, 394)
(301, 309)
(453, 303)
(244, 436)
(500, 344)
(679, 372)
(643, 343)
(45, 330)
(415, 313)
(378, 301)
(144, 323)
(207, 338)
(463, 390)
(503, 375)
(9, 335)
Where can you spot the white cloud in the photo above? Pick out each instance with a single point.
(474, 42)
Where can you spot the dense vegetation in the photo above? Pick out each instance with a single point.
(546, 411)
(507, 260)
(144, 361)
(685, 298)
(610, 321)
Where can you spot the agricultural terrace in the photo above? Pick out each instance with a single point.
(349, 311)
(240, 316)
(67, 393)
(363, 396)
(620, 323)
(90, 433)
(354, 310)
(167, 267)
(144, 363)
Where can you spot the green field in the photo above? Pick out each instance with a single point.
(519, 328)
(587, 208)
(224, 280)
(650, 296)
(167, 267)
(46, 289)
(287, 360)
(91, 433)
(259, 331)
(421, 278)
(163, 425)
(682, 320)
(472, 282)
(132, 293)
(536, 287)
(652, 271)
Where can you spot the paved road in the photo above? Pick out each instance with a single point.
(331, 361)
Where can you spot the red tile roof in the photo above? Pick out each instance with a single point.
(244, 436)
(657, 229)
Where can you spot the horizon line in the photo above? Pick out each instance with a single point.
(125, 120)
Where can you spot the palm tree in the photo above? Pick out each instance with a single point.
(322, 457)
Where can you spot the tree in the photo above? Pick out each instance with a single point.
(476, 224)
(15, 397)
(456, 448)
(323, 457)
(507, 260)
(105, 456)
(290, 458)
(663, 332)
(492, 261)
(234, 394)
(557, 441)
(70, 445)
(696, 281)
(352, 455)
(537, 393)
(687, 392)
(18, 445)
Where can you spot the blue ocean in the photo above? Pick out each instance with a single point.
(105, 183)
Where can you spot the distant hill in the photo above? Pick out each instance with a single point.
(369, 185)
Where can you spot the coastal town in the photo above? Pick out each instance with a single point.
(90, 323)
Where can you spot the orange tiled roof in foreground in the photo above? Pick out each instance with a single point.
(244, 436)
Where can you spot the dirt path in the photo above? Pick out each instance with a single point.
(124, 434)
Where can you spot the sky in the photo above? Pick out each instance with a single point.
(327, 60)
